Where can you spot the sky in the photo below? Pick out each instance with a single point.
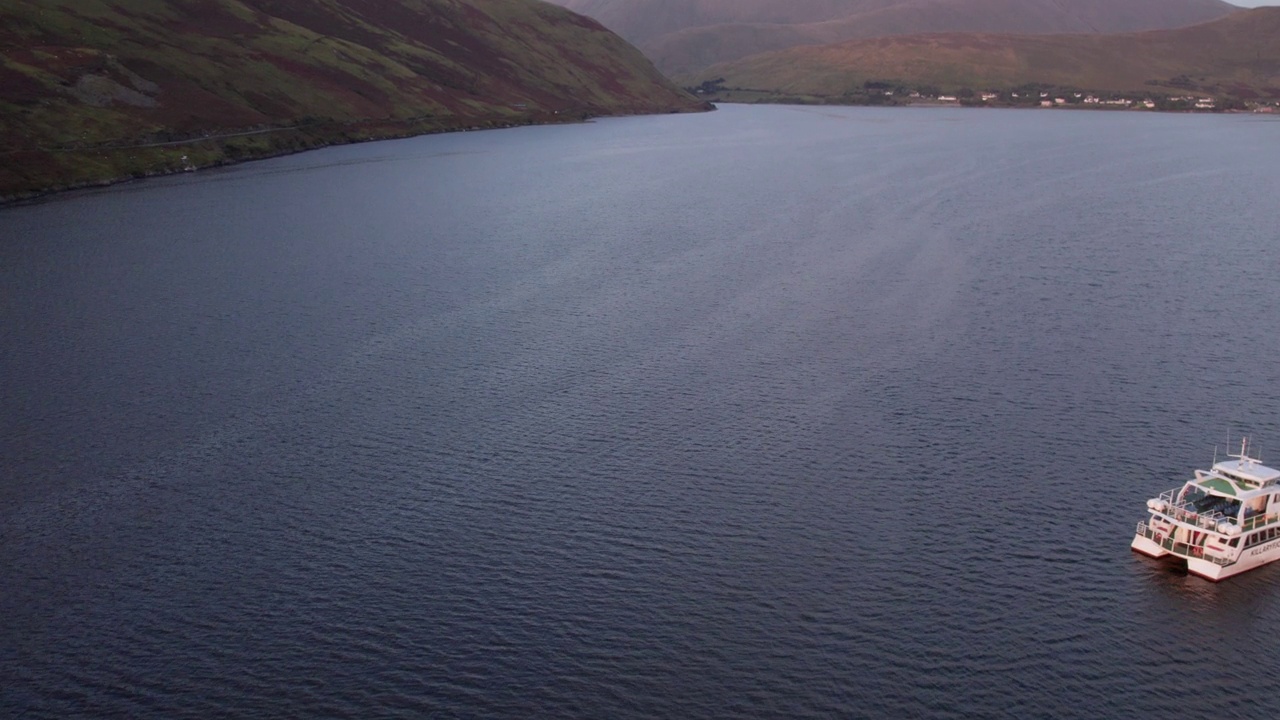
(1254, 3)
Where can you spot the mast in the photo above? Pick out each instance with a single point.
(1243, 457)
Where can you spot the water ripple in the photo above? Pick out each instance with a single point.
(760, 413)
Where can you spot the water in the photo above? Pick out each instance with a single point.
(768, 412)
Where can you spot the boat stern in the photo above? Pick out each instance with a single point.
(1211, 570)
(1145, 545)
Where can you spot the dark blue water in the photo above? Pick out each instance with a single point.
(770, 412)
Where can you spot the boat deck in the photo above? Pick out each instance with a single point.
(1181, 548)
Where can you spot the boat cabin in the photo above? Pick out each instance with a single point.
(1234, 497)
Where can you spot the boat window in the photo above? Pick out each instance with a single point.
(1251, 540)
(1192, 493)
(1255, 506)
(1235, 542)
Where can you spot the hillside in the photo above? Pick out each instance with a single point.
(684, 37)
(93, 90)
(642, 20)
(1235, 56)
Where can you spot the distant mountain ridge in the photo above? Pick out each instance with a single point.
(683, 36)
(92, 90)
(1235, 56)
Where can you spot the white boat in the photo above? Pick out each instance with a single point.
(1223, 522)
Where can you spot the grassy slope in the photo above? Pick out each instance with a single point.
(683, 37)
(1237, 55)
(89, 89)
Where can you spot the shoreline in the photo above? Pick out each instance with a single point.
(815, 101)
(221, 151)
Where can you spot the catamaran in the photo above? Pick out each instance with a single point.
(1221, 523)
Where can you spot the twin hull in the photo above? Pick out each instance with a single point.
(1249, 558)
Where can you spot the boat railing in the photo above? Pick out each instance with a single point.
(1187, 513)
(1181, 548)
(1257, 521)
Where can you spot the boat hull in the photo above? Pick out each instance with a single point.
(1148, 547)
(1250, 559)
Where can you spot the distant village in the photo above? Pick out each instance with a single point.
(885, 93)
(1090, 100)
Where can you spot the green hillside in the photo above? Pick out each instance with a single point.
(95, 90)
(1237, 56)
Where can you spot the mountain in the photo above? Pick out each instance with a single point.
(1237, 55)
(643, 20)
(93, 90)
(683, 36)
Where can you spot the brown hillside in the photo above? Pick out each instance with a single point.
(1236, 55)
(641, 20)
(92, 90)
(711, 31)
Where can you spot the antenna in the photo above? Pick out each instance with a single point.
(1243, 457)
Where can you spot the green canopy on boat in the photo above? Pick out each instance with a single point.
(1220, 485)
